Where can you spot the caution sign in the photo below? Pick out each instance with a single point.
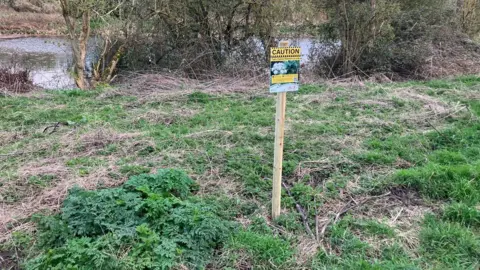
(284, 69)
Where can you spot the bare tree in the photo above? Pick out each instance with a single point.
(468, 15)
(77, 18)
(373, 6)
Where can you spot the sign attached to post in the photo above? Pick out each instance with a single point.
(284, 69)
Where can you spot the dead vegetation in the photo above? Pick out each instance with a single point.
(452, 55)
(7, 138)
(15, 81)
(8, 261)
(164, 85)
(14, 23)
(36, 6)
(61, 177)
(401, 209)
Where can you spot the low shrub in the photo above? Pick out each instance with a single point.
(401, 39)
(151, 222)
(17, 81)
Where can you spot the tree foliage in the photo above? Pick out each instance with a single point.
(397, 37)
(200, 37)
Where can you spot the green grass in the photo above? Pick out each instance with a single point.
(449, 246)
(462, 214)
(262, 248)
(343, 147)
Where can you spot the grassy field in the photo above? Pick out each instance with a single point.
(387, 175)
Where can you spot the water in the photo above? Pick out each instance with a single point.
(48, 59)
(305, 45)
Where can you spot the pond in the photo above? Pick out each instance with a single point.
(48, 59)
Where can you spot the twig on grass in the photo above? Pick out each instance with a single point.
(12, 154)
(347, 207)
(398, 215)
(438, 131)
(215, 132)
(317, 235)
(300, 211)
(54, 127)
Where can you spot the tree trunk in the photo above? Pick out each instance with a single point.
(468, 16)
(81, 79)
(460, 7)
(79, 42)
(346, 38)
(373, 6)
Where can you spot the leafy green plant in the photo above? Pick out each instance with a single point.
(80, 253)
(91, 213)
(166, 182)
(152, 222)
(292, 66)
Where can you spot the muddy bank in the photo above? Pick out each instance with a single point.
(15, 36)
(14, 23)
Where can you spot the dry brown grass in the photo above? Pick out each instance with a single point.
(166, 118)
(7, 138)
(50, 166)
(73, 144)
(307, 249)
(433, 111)
(29, 23)
(456, 55)
(213, 181)
(402, 209)
(167, 86)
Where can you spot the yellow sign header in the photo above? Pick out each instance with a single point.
(285, 54)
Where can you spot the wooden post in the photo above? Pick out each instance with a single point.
(278, 155)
